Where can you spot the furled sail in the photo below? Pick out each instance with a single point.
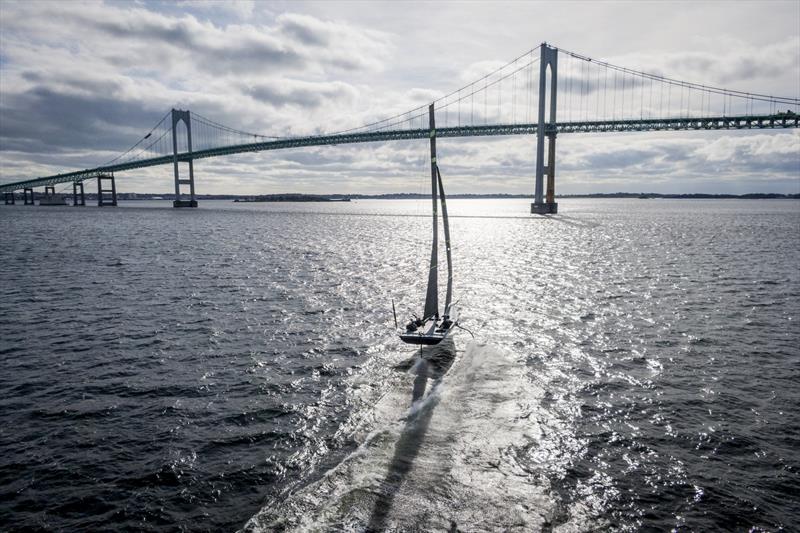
(448, 299)
(432, 328)
(432, 296)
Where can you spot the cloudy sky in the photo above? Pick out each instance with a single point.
(82, 82)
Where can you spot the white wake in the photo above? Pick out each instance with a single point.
(445, 462)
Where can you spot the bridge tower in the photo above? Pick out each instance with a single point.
(9, 198)
(78, 199)
(102, 198)
(549, 58)
(177, 116)
(25, 192)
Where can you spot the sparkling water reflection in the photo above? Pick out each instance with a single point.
(233, 367)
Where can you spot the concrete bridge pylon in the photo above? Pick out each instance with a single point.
(178, 116)
(546, 131)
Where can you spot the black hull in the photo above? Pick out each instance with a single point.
(426, 339)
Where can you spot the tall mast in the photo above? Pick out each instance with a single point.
(446, 224)
(432, 296)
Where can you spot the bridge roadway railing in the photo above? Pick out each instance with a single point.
(779, 120)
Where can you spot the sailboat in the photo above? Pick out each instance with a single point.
(433, 328)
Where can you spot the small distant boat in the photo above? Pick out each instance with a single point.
(432, 328)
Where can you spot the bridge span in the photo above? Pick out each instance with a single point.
(604, 98)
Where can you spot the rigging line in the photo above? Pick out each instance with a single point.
(459, 326)
(739, 94)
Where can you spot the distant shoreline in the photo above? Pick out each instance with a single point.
(297, 197)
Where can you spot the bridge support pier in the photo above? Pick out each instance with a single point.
(76, 198)
(178, 116)
(103, 200)
(9, 198)
(25, 192)
(546, 205)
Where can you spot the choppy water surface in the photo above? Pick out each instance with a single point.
(233, 367)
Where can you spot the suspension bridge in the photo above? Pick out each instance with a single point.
(544, 92)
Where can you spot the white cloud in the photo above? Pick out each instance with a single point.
(241, 9)
(82, 82)
(763, 148)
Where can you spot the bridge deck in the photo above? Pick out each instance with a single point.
(705, 123)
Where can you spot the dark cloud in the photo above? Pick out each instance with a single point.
(43, 120)
(287, 92)
(213, 50)
(82, 84)
(320, 157)
(608, 82)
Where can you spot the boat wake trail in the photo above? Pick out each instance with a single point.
(442, 458)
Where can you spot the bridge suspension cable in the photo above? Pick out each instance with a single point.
(592, 95)
(587, 85)
(589, 90)
(417, 118)
(206, 134)
(160, 132)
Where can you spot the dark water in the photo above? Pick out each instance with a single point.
(636, 366)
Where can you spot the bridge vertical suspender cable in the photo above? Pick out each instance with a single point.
(738, 109)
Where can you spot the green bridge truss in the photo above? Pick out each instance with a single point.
(780, 120)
